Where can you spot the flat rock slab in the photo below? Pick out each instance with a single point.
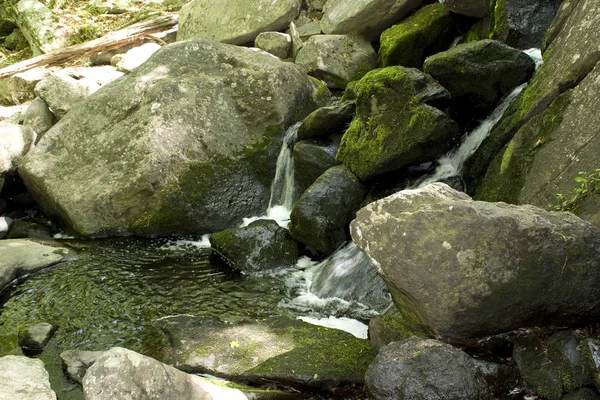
(22, 256)
(278, 349)
(24, 378)
(459, 264)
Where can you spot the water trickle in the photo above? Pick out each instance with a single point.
(282, 188)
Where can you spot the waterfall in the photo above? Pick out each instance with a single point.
(283, 185)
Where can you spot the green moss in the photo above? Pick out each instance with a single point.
(84, 34)
(500, 27)
(408, 43)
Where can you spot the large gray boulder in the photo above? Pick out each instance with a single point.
(320, 217)
(185, 143)
(277, 349)
(395, 125)
(235, 21)
(24, 378)
(21, 257)
(424, 369)
(458, 264)
(365, 17)
(123, 374)
(337, 59)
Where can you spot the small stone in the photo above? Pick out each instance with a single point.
(61, 91)
(297, 42)
(76, 362)
(276, 43)
(135, 57)
(36, 337)
(39, 117)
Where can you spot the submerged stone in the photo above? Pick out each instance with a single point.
(277, 349)
(260, 246)
(458, 264)
(394, 125)
(321, 216)
(186, 143)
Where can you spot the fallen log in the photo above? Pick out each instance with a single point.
(110, 41)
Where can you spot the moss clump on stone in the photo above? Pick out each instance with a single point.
(424, 33)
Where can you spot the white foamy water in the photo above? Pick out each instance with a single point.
(350, 325)
(279, 214)
(186, 244)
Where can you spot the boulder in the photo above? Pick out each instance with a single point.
(310, 29)
(311, 160)
(134, 57)
(16, 41)
(276, 349)
(523, 23)
(39, 117)
(123, 374)
(426, 32)
(234, 21)
(21, 87)
(337, 59)
(364, 17)
(320, 217)
(38, 25)
(24, 378)
(478, 74)
(21, 257)
(61, 92)
(395, 126)
(76, 362)
(472, 8)
(326, 121)
(260, 246)
(26, 229)
(15, 142)
(564, 350)
(277, 43)
(424, 369)
(537, 370)
(186, 143)
(35, 337)
(392, 327)
(501, 378)
(458, 264)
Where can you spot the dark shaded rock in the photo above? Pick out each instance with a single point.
(260, 246)
(277, 349)
(35, 337)
(16, 41)
(76, 362)
(25, 229)
(426, 32)
(537, 370)
(320, 217)
(173, 163)
(326, 121)
(582, 394)
(564, 350)
(39, 117)
(458, 264)
(590, 353)
(501, 378)
(479, 74)
(337, 59)
(472, 8)
(393, 327)
(424, 369)
(311, 160)
(394, 125)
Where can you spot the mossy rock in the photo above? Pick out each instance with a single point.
(321, 216)
(537, 370)
(479, 74)
(393, 327)
(277, 349)
(426, 32)
(564, 350)
(394, 126)
(327, 121)
(260, 246)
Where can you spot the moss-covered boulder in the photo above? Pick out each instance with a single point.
(537, 370)
(364, 17)
(277, 349)
(321, 216)
(186, 143)
(564, 349)
(393, 327)
(394, 125)
(479, 74)
(424, 369)
(235, 21)
(337, 59)
(327, 121)
(311, 160)
(457, 265)
(424, 33)
(260, 246)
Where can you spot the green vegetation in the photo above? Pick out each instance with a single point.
(84, 34)
(589, 184)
